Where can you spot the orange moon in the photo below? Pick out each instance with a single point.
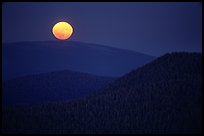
(62, 30)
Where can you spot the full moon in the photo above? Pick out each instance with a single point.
(62, 30)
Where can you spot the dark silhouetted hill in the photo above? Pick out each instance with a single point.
(163, 96)
(28, 58)
(51, 87)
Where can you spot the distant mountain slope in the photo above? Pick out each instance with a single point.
(27, 58)
(51, 87)
(163, 96)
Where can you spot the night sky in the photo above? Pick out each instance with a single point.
(151, 28)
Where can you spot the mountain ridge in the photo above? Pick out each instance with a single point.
(74, 42)
(27, 58)
(127, 105)
(51, 87)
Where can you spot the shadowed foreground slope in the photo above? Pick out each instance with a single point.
(163, 96)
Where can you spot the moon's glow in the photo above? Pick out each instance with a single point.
(62, 30)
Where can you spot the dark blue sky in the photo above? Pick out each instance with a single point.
(151, 28)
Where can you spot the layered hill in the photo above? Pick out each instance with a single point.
(28, 58)
(51, 87)
(163, 96)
